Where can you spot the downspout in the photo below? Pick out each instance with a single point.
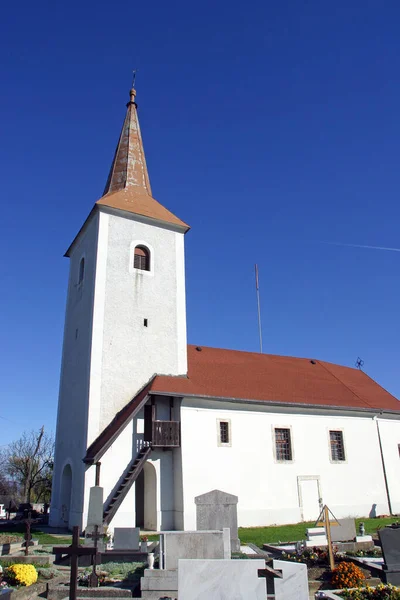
(375, 418)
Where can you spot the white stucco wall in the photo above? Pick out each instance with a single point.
(72, 418)
(269, 491)
(390, 439)
(130, 352)
(108, 353)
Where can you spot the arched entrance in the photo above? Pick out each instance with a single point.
(65, 495)
(146, 498)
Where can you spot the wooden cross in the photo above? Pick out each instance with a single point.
(95, 536)
(74, 551)
(28, 536)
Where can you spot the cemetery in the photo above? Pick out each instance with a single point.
(334, 559)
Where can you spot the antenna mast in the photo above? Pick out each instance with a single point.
(258, 307)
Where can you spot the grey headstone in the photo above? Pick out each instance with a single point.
(221, 579)
(126, 538)
(217, 510)
(176, 545)
(345, 531)
(390, 541)
(294, 582)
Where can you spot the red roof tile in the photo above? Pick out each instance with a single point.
(219, 373)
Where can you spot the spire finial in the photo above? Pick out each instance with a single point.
(132, 93)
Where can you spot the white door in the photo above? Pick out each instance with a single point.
(309, 498)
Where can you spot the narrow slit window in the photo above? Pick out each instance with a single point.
(337, 445)
(142, 258)
(81, 271)
(283, 444)
(224, 432)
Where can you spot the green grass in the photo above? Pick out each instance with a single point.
(295, 532)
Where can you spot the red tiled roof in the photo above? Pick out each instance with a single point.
(220, 373)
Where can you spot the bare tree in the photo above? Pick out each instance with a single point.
(29, 463)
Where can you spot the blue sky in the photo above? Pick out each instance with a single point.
(272, 128)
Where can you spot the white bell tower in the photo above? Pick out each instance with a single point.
(125, 315)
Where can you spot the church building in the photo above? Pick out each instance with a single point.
(157, 422)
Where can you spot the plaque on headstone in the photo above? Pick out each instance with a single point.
(126, 538)
(217, 510)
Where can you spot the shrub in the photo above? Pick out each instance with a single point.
(347, 575)
(22, 574)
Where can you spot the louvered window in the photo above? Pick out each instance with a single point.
(142, 258)
(283, 444)
(337, 445)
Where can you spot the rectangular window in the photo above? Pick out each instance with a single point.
(337, 445)
(224, 432)
(283, 444)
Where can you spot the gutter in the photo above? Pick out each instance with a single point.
(375, 418)
(276, 403)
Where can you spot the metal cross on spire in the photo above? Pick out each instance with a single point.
(134, 77)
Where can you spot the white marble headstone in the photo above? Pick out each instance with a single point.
(126, 538)
(95, 510)
(294, 582)
(221, 579)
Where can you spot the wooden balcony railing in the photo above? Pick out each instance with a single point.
(166, 434)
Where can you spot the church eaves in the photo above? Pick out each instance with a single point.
(128, 184)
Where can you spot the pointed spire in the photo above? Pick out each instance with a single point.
(129, 165)
(128, 184)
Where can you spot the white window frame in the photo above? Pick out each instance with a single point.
(276, 459)
(132, 270)
(223, 444)
(331, 460)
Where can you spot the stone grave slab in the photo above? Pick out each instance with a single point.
(175, 545)
(126, 538)
(390, 542)
(217, 510)
(345, 531)
(221, 579)
(294, 582)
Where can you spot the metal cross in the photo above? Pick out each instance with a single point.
(134, 77)
(95, 536)
(74, 551)
(28, 536)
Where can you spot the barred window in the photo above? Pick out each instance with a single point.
(142, 258)
(337, 445)
(224, 432)
(224, 435)
(283, 444)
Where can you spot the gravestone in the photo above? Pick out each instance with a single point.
(345, 531)
(175, 545)
(126, 538)
(221, 579)
(294, 582)
(217, 510)
(390, 542)
(95, 528)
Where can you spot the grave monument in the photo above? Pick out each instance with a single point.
(218, 510)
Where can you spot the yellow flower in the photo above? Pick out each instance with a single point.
(23, 574)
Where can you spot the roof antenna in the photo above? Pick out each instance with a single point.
(359, 363)
(258, 308)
